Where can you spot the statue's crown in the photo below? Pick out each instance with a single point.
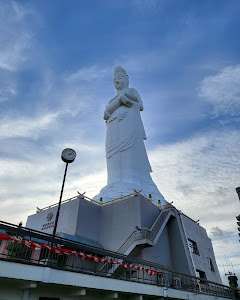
(119, 70)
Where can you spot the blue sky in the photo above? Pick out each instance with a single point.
(56, 72)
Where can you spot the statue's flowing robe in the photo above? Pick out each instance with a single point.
(128, 166)
(126, 155)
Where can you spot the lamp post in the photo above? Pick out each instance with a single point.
(68, 156)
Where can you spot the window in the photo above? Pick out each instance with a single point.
(201, 274)
(193, 247)
(210, 264)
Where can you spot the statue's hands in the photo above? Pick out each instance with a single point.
(124, 99)
(131, 96)
(106, 115)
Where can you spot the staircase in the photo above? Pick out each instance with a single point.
(146, 237)
(140, 239)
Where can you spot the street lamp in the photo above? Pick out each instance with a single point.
(68, 156)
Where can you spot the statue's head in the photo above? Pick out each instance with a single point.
(120, 79)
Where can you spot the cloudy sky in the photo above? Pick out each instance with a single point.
(56, 65)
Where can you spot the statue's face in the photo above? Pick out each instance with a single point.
(120, 82)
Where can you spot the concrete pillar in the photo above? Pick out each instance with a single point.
(26, 289)
(113, 295)
(79, 292)
(25, 295)
(136, 297)
(165, 294)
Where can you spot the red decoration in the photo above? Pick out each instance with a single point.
(81, 255)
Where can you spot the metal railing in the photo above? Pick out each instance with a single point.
(98, 203)
(18, 252)
(157, 225)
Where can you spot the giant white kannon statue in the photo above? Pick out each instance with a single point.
(128, 166)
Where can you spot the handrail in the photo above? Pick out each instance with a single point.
(159, 215)
(133, 233)
(158, 223)
(55, 204)
(9, 227)
(59, 240)
(99, 203)
(149, 233)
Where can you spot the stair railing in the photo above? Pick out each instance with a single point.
(145, 233)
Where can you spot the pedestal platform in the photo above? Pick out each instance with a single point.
(135, 227)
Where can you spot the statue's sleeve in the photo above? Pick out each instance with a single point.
(136, 95)
(112, 106)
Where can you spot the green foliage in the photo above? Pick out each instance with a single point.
(18, 251)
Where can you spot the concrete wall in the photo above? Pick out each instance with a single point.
(198, 234)
(149, 213)
(88, 220)
(160, 253)
(67, 221)
(180, 257)
(118, 221)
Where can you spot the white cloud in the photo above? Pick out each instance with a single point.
(223, 91)
(217, 232)
(77, 92)
(88, 73)
(200, 176)
(15, 35)
(20, 11)
(203, 171)
(13, 53)
(15, 45)
(26, 127)
(7, 90)
(31, 176)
